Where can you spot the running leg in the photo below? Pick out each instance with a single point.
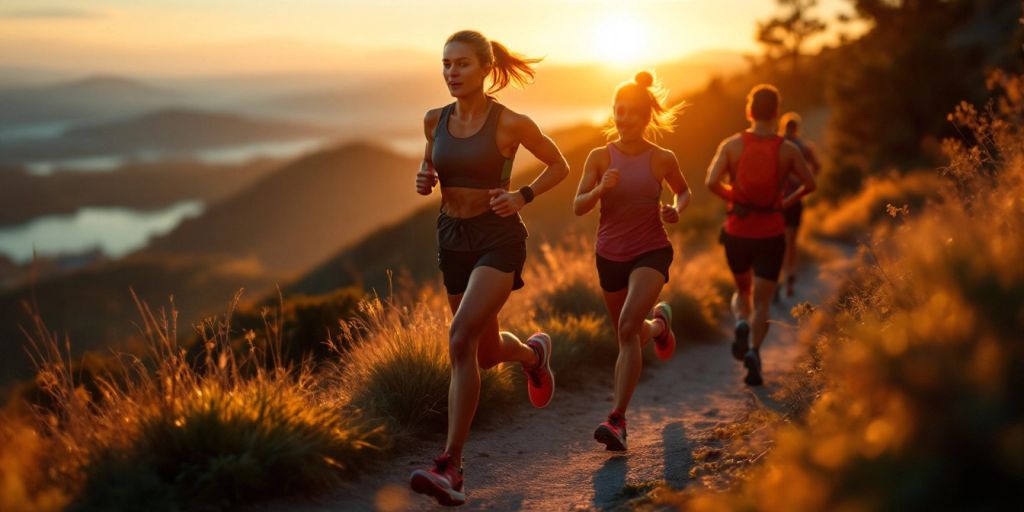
(485, 295)
(633, 331)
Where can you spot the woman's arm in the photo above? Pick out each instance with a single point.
(594, 183)
(677, 182)
(506, 203)
(426, 178)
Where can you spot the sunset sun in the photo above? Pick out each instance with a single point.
(620, 40)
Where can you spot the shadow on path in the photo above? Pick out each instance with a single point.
(677, 455)
(609, 480)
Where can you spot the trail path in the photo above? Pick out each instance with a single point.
(547, 459)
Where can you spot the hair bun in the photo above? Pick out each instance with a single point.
(644, 78)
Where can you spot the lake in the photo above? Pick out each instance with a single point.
(114, 230)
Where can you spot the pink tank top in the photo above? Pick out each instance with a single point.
(630, 213)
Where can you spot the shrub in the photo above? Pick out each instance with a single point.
(398, 369)
(581, 345)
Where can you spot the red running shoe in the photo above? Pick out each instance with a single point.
(664, 343)
(612, 433)
(443, 482)
(540, 379)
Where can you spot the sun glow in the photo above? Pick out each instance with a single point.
(620, 40)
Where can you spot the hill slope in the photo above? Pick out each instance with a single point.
(101, 95)
(169, 130)
(303, 212)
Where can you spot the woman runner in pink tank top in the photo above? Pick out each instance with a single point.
(633, 249)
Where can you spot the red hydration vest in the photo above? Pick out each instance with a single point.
(754, 211)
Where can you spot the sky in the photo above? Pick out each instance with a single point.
(181, 37)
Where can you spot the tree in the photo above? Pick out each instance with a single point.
(890, 90)
(784, 35)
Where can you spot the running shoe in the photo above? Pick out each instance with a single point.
(740, 344)
(612, 433)
(443, 482)
(540, 380)
(664, 343)
(753, 363)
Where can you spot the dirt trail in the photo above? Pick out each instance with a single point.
(547, 459)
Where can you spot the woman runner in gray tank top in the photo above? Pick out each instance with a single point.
(481, 239)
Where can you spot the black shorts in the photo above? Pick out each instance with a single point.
(456, 266)
(486, 240)
(793, 214)
(763, 254)
(614, 275)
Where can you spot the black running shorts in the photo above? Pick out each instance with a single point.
(614, 275)
(486, 240)
(456, 266)
(764, 255)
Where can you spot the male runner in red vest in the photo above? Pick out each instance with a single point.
(758, 162)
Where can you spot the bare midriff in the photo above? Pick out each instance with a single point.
(464, 202)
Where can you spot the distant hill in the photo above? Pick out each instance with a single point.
(93, 97)
(138, 186)
(179, 128)
(170, 130)
(298, 215)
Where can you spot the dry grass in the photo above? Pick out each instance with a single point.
(164, 435)
(853, 219)
(398, 369)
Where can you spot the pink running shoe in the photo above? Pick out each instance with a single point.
(540, 379)
(612, 433)
(443, 482)
(664, 343)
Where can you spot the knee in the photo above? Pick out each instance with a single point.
(461, 345)
(628, 329)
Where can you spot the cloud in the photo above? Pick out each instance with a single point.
(50, 13)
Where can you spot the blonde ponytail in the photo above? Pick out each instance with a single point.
(509, 68)
(506, 67)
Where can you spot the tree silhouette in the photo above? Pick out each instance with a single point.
(784, 35)
(890, 90)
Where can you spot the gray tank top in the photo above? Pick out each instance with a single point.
(474, 161)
